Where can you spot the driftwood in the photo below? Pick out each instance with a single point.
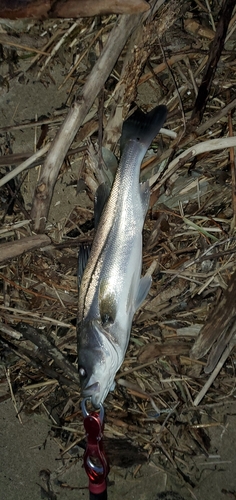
(219, 328)
(40, 9)
(38, 360)
(48, 351)
(154, 350)
(13, 249)
(99, 74)
(213, 59)
(209, 382)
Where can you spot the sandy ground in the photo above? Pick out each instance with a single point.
(31, 467)
(28, 451)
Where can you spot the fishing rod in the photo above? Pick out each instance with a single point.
(95, 461)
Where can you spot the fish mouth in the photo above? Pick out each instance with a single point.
(93, 392)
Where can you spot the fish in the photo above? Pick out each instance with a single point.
(111, 286)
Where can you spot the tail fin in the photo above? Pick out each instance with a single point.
(143, 127)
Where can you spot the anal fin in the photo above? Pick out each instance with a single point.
(144, 287)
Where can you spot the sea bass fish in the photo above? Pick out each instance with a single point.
(112, 288)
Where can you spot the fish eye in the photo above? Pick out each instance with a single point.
(82, 372)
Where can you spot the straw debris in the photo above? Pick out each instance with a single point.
(168, 390)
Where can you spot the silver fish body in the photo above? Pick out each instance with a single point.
(111, 287)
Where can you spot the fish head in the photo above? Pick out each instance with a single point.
(98, 361)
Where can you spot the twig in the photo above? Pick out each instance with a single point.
(13, 249)
(215, 118)
(24, 165)
(56, 34)
(176, 88)
(58, 45)
(81, 57)
(30, 162)
(190, 153)
(37, 316)
(34, 123)
(213, 59)
(38, 360)
(214, 374)
(232, 167)
(10, 331)
(12, 394)
(169, 62)
(10, 228)
(210, 15)
(23, 47)
(218, 330)
(48, 350)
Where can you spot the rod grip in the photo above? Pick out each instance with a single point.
(98, 496)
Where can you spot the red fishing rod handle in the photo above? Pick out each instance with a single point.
(95, 462)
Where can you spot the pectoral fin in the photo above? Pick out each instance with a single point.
(144, 287)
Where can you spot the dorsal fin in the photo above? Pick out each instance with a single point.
(83, 255)
(100, 200)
